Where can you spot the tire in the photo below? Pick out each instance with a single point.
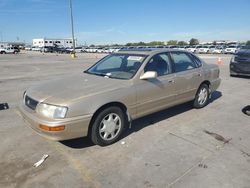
(104, 134)
(201, 97)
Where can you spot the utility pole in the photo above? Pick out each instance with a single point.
(72, 28)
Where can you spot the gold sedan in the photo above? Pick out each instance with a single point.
(101, 101)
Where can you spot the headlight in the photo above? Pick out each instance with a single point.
(50, 111)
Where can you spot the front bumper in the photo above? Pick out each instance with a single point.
(215, 84)
(240, 69)
(75, 127)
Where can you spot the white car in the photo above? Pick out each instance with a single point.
(7, 51)
(218, 50)
(203, 50)
(117, 49)
(100, 50)
(87, 50)
(194, 49)
(28, 48)
(92, 50)
(232, 49)
(78, 50)
(35, 48)
(211, 48)
(111, 50)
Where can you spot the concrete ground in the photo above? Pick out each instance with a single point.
(166, 149)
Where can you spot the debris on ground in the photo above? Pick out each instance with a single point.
(246, 110)
(245, 153)
(37, 164)
(4, 106)
(123, 142)
(218, 137)
(202, 165)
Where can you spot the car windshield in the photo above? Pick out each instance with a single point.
(119, 66)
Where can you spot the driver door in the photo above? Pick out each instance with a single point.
(156, 94)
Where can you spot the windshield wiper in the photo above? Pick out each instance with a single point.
(97, 74)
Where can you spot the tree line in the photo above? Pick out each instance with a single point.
(191, 42)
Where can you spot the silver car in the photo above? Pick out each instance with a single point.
(101, 101)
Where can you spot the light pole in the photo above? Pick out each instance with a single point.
(72, 28)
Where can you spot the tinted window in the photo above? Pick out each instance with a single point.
(159, 63)
(182, 61)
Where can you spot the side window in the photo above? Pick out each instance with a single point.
(197, 60)
(159, 63)
(182, 62)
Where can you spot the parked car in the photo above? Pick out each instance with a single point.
(78, 50)
(28, 48)
(218, 50)
(123, 86)
(173, 47)
(240, 63)
(232, 49)
(35, 48)
(181, 48)
(47, 49)
(194, 49)
(8, 50)
(211, 48)
(105, 50)
(62, 50)
(203, 49)
(100, 50)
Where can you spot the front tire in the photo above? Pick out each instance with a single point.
(201, 97)
(108, 126)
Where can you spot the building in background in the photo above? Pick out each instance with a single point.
(42, 42)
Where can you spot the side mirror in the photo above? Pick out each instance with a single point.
(148, 75)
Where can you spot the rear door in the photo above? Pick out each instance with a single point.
(188, 76)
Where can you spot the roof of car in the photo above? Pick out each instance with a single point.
(146, 51)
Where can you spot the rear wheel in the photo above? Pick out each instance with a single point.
(108, 126)
(202, 96)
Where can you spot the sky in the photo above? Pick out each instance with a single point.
(123, 21)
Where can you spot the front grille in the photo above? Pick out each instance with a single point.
(31, 103)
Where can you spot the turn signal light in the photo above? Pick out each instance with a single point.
(47, 128)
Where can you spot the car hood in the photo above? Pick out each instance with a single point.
(65, 90)
(243, 52)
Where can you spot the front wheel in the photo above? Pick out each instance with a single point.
(202, 96)
(108, 126)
